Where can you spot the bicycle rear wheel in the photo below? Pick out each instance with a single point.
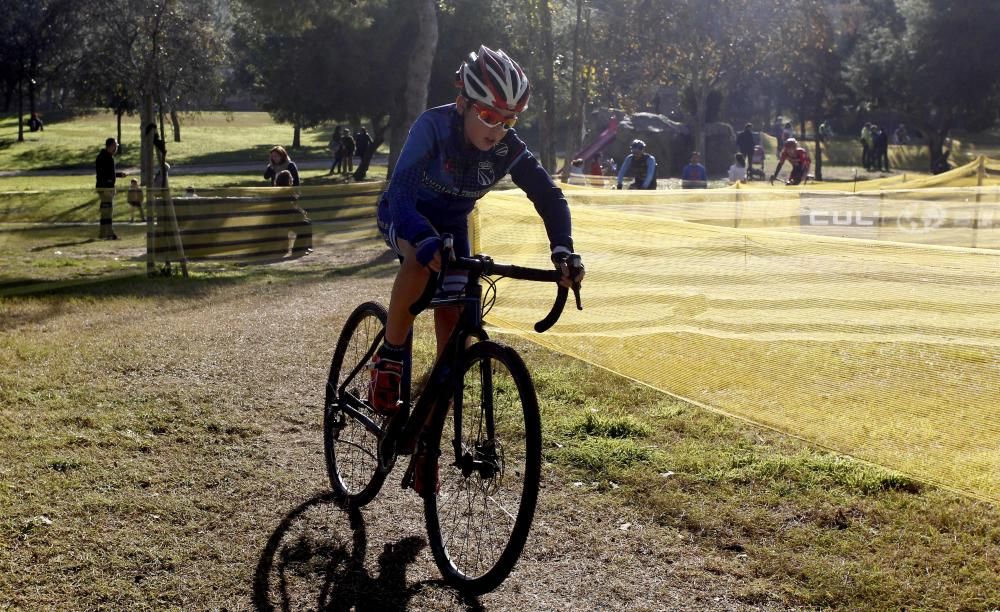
(490, 469)
(350, 426)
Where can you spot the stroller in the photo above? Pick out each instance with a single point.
(756, 169)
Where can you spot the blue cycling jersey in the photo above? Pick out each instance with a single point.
(439, 177)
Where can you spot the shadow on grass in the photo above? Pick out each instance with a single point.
(294, 554)
(60, 245)
(205, 278)
(255, 153)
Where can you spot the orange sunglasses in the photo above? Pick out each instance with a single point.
(491, 118)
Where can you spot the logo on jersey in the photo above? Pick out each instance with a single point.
(501, 150)
(485, 173)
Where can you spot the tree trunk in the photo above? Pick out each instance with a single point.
(818, 173)
(20, 109)
(418, 76)
(297, 135)
(118, 121)
(146, 173)
(548, 89)
(572, 139)
(146, 117)
(32, 67)
(176, 123)
(698, 129)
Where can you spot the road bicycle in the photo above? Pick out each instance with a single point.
(476, 426)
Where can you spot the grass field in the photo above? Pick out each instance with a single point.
(161, 447)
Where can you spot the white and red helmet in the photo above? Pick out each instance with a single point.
(492, 78)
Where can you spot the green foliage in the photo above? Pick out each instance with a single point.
(624, 426)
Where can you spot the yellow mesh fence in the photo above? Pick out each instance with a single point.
(980, 172)
(886, 351)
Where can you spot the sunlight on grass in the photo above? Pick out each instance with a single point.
(208, 137)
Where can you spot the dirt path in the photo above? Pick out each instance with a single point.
(582, 553)
(226, 503)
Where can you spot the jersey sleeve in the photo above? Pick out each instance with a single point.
(548, 199)
(624, 169)
(401, 194)
(650, 169)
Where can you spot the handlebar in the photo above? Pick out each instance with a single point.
(483, 265)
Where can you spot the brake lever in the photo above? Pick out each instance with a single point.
(574, 264)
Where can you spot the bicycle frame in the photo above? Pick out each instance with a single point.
(442, 379)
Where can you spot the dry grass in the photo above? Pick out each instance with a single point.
(160, 448)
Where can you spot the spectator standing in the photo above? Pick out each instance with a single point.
(361, 143)
(278, 161)
(693, 176)
(135, 201)
(866, 145)
(35, 123)
(738, 171)
(745, 143)
(301, 233)
(880, 142)
(335, 149)
(787, 131)
(825, 131)
(642, 165)
(106, 176)
(347, 159)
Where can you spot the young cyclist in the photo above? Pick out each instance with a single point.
(798, 157)
(453, 155)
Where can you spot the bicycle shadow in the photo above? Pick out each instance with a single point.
(319, 560)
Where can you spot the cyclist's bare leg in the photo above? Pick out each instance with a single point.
(407, 288)
(445, 321)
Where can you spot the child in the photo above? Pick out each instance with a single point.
(453, 155)
(135, 201)
(738, 171)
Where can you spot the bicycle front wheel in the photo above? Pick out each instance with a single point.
(490, 468)
(350, 426)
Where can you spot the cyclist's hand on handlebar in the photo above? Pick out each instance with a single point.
(571, 266)
(435, 263)
(429, 253)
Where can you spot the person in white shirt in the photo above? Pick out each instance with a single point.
(738, 171)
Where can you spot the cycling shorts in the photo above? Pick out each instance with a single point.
(455, 281)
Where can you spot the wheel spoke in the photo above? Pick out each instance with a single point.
(479, 522)
(351, 428)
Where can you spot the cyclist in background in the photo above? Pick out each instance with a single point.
(798, 157)
(454, 155)
(642, 165)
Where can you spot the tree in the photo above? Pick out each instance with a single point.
(905, 69)
(33, 43)
(418, 74)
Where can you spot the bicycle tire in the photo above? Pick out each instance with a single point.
(478, 521)
(350, 438)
